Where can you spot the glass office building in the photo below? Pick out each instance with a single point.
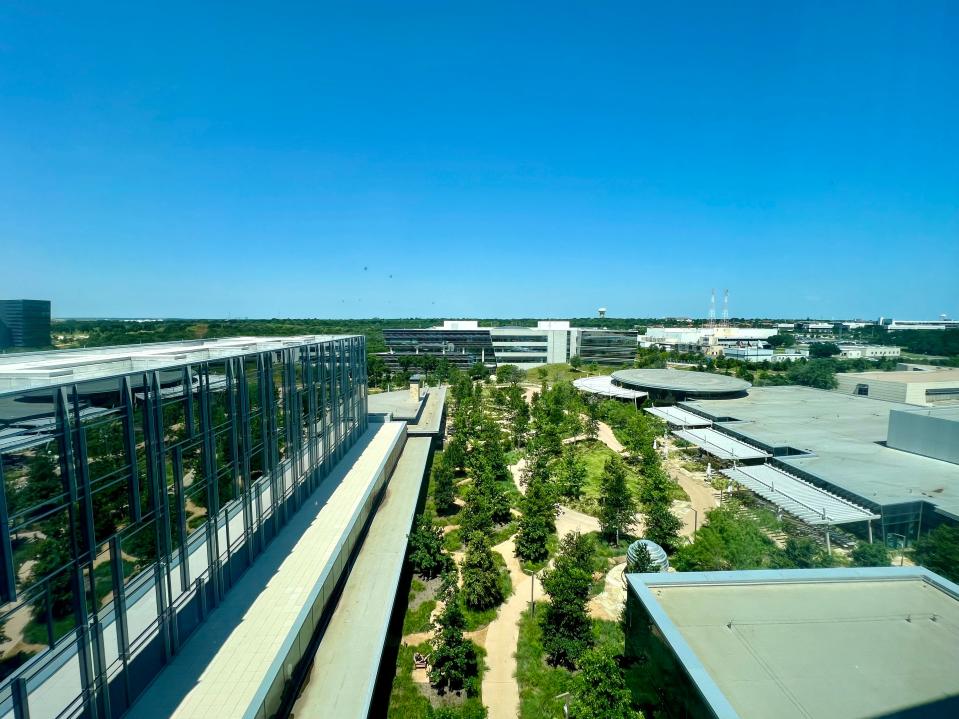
(137, 484)
(24, 323)
(463, 343)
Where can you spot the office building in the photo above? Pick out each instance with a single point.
(795, 644)
(139, 484)
(464, 343)
(910, 387)
(24, 324)
(897, 325)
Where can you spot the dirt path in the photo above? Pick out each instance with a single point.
(500, 690)
(606, 436)
(608, 604)
(702, 497)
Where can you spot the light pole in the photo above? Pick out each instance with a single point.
(532, 586)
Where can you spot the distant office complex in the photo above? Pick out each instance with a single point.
(708, 340)
(941, 324)
(139, 482)
(800, 643)
(24, 324)
(464, 343)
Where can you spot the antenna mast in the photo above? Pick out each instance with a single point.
(712, 309)
(725, 308)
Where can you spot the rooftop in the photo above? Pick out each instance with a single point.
(43, 369)
(811, 644)
(603, 385)
(946, 375)
(677, 380)
(842, 437)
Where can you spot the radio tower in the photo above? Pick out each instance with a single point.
(725, 308)
(712, 309)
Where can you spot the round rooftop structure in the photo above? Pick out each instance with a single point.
(603, 385)
(681, 384)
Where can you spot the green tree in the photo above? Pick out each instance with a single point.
(870, 555)
(939, 551)
(482, 585)
(538, 507)
(805, 553)
(783, 339)
(567, 628)
(818, 373)
(571, 474)
(662, 526)
(575, 362)
(821, 350)
(427, 556)
(444, 486)
(641, 563)
(599, 690)
(508, 374)
(727, 541)
(617, 510)
(453, 661)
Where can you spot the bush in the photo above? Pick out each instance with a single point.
(870, 555)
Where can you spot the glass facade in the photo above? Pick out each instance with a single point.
(462, 348)
(131, 503)
(24, 323)
(607, 348)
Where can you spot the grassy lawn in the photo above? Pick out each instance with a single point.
(453, 541)
(595, 455)
(417, 618)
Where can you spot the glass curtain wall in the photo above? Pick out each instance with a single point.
(130, 505)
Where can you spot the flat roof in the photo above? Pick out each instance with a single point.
(801, 499)
(43, 369)
(677, 380)
(843, 437)
(678, 417)
(812, 643)
(344, 670)
(720, 445)
(229, 663)
(907, 376)
(603, 385)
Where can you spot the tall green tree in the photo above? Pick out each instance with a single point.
(571, 474)
(444, 486)
(599, 690)
(662, 526)
(617, 510)
(567, 628)
(426, 552)
(482, 582)
(539, 508)
(453, 661)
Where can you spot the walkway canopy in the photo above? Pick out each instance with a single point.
(603, 385)
(720, 445)
(801, 499)
(678, 417)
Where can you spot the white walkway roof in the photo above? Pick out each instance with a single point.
(603, 385)
(720, 445)
(679, 417)
(800, 498)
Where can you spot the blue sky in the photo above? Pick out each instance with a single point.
(491, 159)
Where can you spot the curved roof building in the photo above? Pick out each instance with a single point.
(603, 385)
(680, 384)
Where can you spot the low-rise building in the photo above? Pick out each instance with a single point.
(709, 340)
(943, 323)
(857, 351)
(910, 387)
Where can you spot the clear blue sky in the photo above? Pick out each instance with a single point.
(492, 159)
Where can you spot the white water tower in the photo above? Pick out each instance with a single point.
(602, 313)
